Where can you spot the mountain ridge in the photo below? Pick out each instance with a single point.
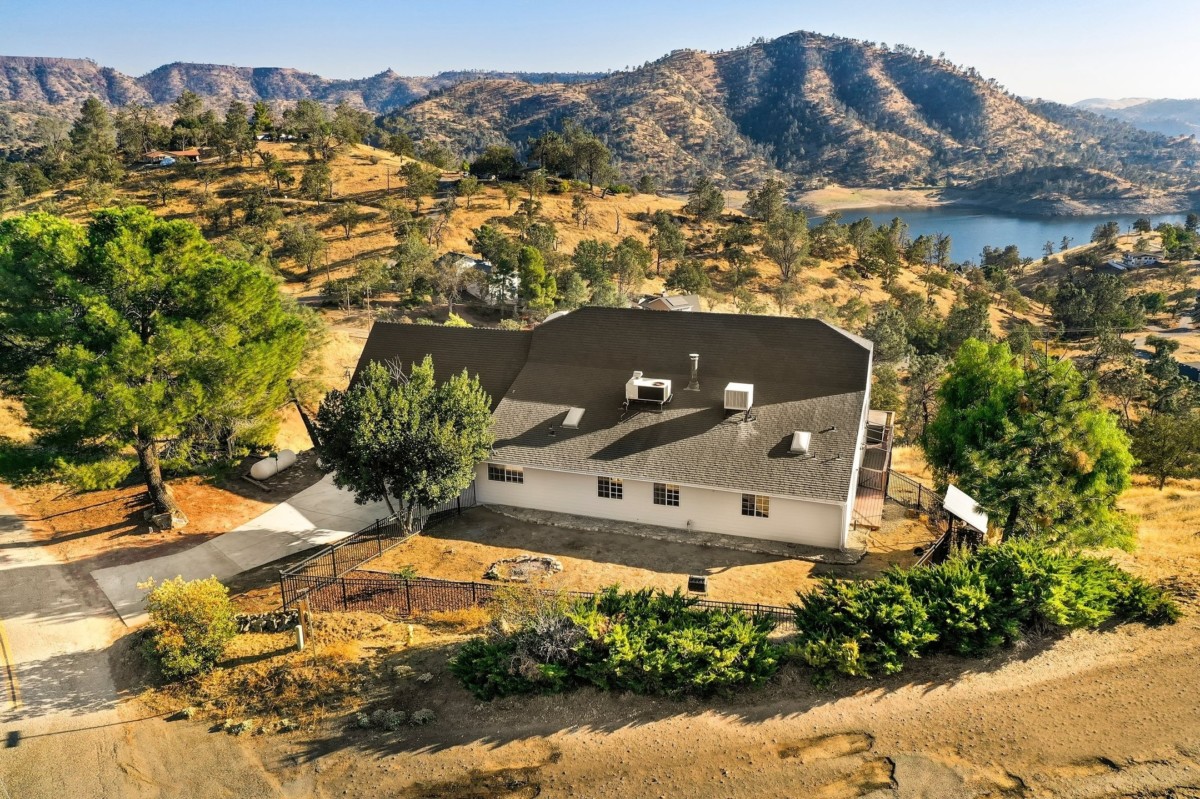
(1169, 116)
(811, 108)
(829, 109)
(54, 81)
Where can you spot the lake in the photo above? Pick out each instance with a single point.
(971, 230)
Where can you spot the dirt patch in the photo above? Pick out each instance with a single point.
(463, 548)
(505, 783)
(107, 528)
(523, 569)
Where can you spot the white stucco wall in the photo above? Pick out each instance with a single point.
(706, 509)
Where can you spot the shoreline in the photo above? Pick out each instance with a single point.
(819, 202)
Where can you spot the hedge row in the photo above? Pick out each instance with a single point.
(655, 643)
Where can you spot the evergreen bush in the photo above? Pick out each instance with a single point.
(641, 641)
(191, 622)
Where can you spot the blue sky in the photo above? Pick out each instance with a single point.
(1060, 49)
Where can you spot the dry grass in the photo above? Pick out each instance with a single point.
(262, 677)
(845, 198)
(463, 620)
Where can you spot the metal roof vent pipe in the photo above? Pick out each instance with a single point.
(694, 383)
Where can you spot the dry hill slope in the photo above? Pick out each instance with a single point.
(821, 108)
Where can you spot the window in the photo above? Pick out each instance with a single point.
(666, 494)
(610, 488)
(506, 474)
(755, 505)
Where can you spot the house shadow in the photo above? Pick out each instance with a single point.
(487, 527)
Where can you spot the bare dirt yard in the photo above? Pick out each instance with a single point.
(463, 548)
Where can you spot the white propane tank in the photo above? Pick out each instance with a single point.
(285, 458)
(267, 467)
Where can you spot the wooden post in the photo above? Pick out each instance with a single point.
(302, 609)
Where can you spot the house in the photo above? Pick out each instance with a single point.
(168, 157)
(1139, 259)
(480, 283)
(670, 302)
(724, 423)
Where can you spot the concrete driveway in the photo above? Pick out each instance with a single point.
(317, 516)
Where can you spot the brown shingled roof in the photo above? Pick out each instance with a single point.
(494, 356)
(807, 375)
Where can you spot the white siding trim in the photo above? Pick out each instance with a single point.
(792, 497)
(701, 508)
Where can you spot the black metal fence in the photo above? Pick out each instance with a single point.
(415, 596)
(329, 564)
(911, 494)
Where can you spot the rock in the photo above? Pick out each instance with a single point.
(523, 568)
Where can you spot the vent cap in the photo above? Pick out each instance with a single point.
(801, 439)
(574, 416)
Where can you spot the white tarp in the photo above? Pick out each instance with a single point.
(963, 507)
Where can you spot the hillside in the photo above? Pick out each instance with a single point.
(822, 109)
(819, 109)
(1169, 117)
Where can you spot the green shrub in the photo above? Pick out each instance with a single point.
(489, 668)
(860, 628)
(641, 641)
(655, 643)
(1137, 600)
(191, 622)
(959, 605)
(969, 605)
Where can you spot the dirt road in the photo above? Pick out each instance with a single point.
(68, 734)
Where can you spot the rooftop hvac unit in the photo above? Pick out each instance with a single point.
(647, 389)
(739, 396)
(800, 441)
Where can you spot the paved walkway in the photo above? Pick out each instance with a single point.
(317, 516)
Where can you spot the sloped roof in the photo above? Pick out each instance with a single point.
(807, 375)
(673, 302)
(494, 356)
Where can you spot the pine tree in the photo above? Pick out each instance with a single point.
(94, 144)
(1034, 446)
(134, 333)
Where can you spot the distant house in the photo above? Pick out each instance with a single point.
(168, 157)
(480, 282)
(669, 302)
(1139, 259)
